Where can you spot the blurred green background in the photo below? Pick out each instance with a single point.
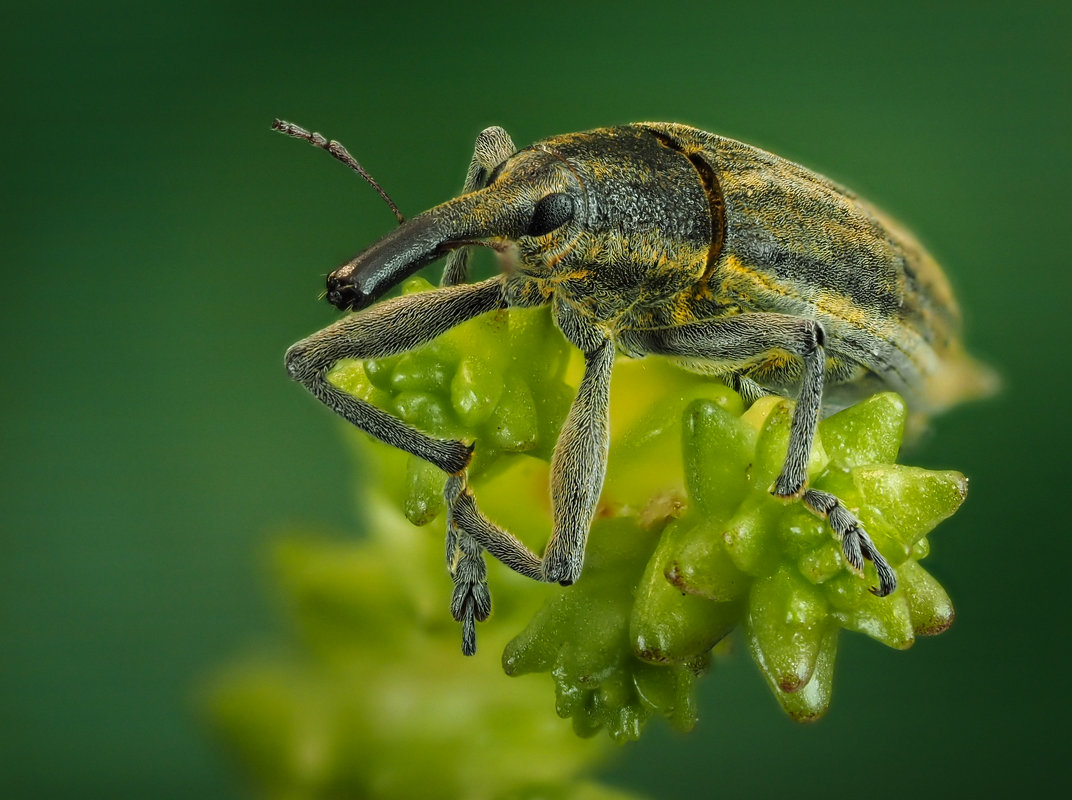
(161, 248)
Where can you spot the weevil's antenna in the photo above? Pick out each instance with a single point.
(341, 153)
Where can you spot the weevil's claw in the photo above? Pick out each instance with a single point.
(468, 636)
(886, 582)
(887, 578)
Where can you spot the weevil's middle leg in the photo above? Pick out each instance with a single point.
(493, 146)
(577, 470)
(739, 340)
(578, 467)
(855, 543)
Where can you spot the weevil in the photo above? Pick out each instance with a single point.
(648, 239)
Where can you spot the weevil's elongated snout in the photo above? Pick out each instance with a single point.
(362, 280)
(416, 243)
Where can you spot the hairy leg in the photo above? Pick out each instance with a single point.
(735, 342)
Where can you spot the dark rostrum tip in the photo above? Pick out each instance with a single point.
(345, 296)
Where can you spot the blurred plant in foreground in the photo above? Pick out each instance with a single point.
(376, 701)
(688, 545)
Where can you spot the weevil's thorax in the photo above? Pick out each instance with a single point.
(642, 226)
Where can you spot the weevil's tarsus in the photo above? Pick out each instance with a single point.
(340, 152)
(471, 600)
(856, 545)
(493, 146)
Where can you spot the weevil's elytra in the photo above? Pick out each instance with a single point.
(649, 239)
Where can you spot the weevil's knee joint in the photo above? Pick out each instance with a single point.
(294, 361)
(787, 494)
(299, 361)
(460, 471)
(818, 335)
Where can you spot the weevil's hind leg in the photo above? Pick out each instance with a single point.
(794, 475)
(855, 543)
(493, 146)
(740, 340)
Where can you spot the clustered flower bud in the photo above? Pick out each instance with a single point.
(687, 547)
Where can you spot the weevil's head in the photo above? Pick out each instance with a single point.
(608, 214)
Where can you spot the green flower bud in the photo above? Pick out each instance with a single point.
(687, 547)
(689, 475)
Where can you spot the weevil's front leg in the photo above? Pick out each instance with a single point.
(739, 340)
(578, 467)
(387, 329)
(493, 146)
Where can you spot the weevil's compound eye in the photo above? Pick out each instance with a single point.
(552, 211)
